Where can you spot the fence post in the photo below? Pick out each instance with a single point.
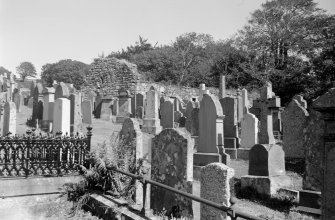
(89, 136)
(28, 152)
(59, 153)
(146, 206)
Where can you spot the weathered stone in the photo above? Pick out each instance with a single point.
(124, 106)
(172, 165)
(189, 124)
(249, 130)
(86, 109)
(177, 117)
(245, 101)
(167, 114)
(294, 119)
(229, 109)
(48, 107)
(151, 122)
(215, 187)
(18, 100)
(9, 122)
(61, 122)
(140, 112)
(222, 89)
(76, 124)
(106, 108)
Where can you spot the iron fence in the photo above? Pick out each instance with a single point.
(38, 155)
(234, 214)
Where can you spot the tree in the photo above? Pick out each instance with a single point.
(26, 69)
(68, 71)
(4, 71)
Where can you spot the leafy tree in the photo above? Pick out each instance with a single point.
(68, 71)
(4, 71)
(26, 69)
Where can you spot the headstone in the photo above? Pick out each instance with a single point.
(263, 109)
(38, 96)
(326, 105)
(178, 117)
(294, 122)
(172, 165)
(31, 102)
(202, 91)
(62, 112)
(62, 91)
(124, 102)
(167, 114)
(151, 122)
(18, 100)
(229, 109)
(139, 100)
(139, 112)
(76, 116)
(106, 108)
(215, 186)
(32, 87)
(40, 106)
(240, 105)
(86, 109)
(222, 90)
(9, 122)
(48, 108)
(210, 146)
(245, 101)
(190, 106)
(249, 130)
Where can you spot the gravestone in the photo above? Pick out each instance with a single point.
(38, 96)
(325, 104)
(86, 109)
(222, 89)
(202, 91)
(132, 138)
(294, 119)
(151, 122)
(189, 108)
(210, 146)
(124, 103)
(40, 106)
(195, 122)
(76, 119)
(18, 100)
(177, 118)
(231, 139)
(245, 101)
(139, 100)
(9, 121)
(215, 186)
(139, 112)
(249, 130)
(48, 108)
(62, 116)
(62, 91)
(31, 102)
(240, 105)
(172, 165)
(32, 87)
(167, 114)
(106, 108)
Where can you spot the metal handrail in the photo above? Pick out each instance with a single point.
(234, 214)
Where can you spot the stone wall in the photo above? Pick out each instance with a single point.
(111, 74)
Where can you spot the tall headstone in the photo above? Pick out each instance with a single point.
(294, 122)
(262, 109)
(62, 115)
(38, 96)
(167, 114)
(124, 102)
(222, 91)
(76, 124)
(249, 130)
(231, 139)
(106, 107)
(211, 145)
(9, 122)
(190, 123)
(245, 101)
(86, 109)
(326, 105)
(151, 122)
(172, 165)
(215, 186)
(48, 108)
(240, 105)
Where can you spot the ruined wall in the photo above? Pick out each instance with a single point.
(111, 74)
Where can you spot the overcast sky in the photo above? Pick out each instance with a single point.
(46, 31)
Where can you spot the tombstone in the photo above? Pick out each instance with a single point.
(151, 122)
(249, 130)
(240, 106)
(215, 186)
(262, 109)
(48, 108)
(40, 106)
(172, 165)
(167, 114)
(115, 106)
(139, 112)
(18, 100)
(325, 104)
(91, 95)
(190, 106)
(210, 146)
(62, 91)
(75, 116)
(277, 122)
(86, 109)
(124, 105)
(222, 89)
(266, 169)
(231, 139)
(38, 96)
(62, 116)
(202, 91)
(177, 118)
(195, 122)
(97, 106)
(106, 107)
(32, 87)
(245, 101)
(139, 100)
(31, 102)
(294, 119)
(9, 121)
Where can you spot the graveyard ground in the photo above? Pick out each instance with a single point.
(102, 130)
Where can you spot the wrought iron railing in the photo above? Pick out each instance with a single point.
(234, 214)
(38, 155)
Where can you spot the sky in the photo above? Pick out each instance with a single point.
(46, 31)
